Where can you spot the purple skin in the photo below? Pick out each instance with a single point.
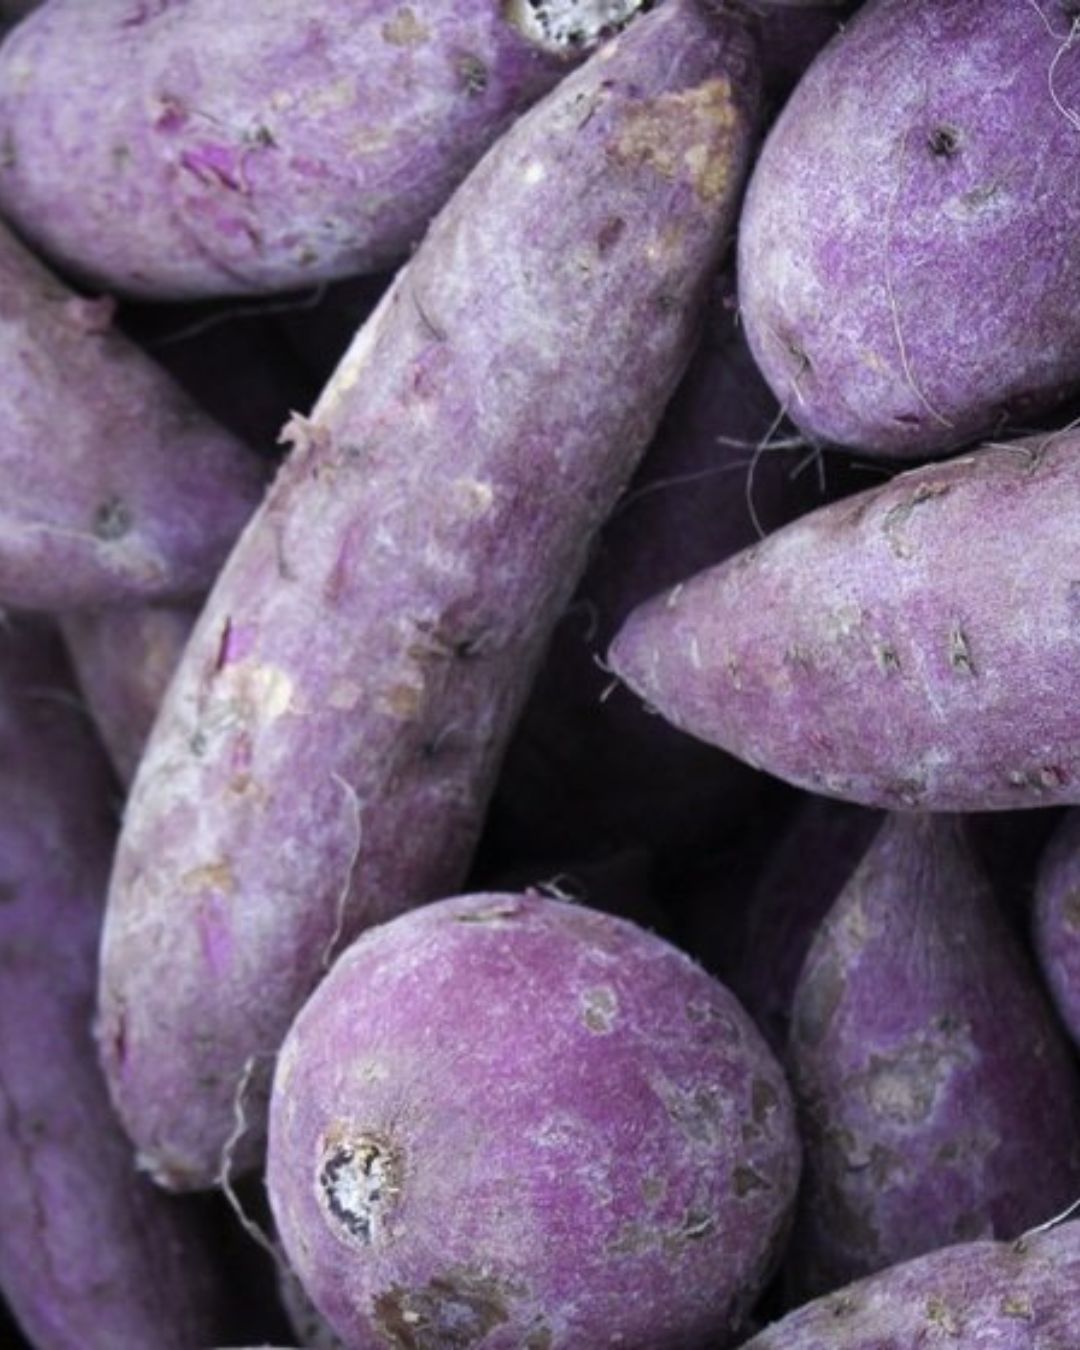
(907, 253)
(924, 1057)
(1057, 921)
(553, 1130)
(860, 652)
(809, 866)
(91, 1255)
(590, 771)
(288, 145)
(975, 1296)
(114, 486)
(123, 660)
(325, 754)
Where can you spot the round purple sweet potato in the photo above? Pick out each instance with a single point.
(1057, 921)
(909, 275)
(509, 1121)
(939, 1101)
(194, 149)
(975, 1296)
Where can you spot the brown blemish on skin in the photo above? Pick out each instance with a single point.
(763, 1100)
(897, 516)
(746, 1180)
(944, 142)
(1070, 911)
(600, 1009)
(888, 662)
(654, 135)
(1018, 1306)
(939, 1314)
(451, 1312)
(405, 30)
(404, 701)
(216, 876)
(904, 1086)
(472, 73)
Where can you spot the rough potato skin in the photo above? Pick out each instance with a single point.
(908, 272)
(508, 1121)
(924, 1058)
(914, 646)
(1057, 920)
(113, 485)
(325, 754)
(281, 146)
(123, 660)
(974, 1296)
(91, 1255)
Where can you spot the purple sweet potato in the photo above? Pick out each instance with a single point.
(113, 485)
(266, 147)
(1057, 921)
(325, 753)
(91, 1255)
(939, 1101)
(909, 275)
(508, 1121)
(898, 648)
(123, 660)
(809, 866)
(589, 770)
(973, 1296)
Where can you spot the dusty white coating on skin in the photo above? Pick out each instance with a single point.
(561, 24)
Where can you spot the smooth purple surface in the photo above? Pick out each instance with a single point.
(584, 1140)
(183, 149)
(325, 754)
(974, 1296)
(939, 1101)
(90, 1254)
(915, 646)
(909, 277)
(1057, 921)
(809, 865)
(113, 485)
(123, 660)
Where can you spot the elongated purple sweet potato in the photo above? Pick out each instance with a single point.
(509, 1121)
(909, 277)
(325, 754)
(899, 648)
(1057, 920)
(973, 1296)
(267, 146)
(939, 1101)
(113, 485)
(123, 660)
(91, 1255)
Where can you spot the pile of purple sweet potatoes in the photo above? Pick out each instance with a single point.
(540, 674)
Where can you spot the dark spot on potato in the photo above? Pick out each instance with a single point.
(746, 1180)
(1070, 911)
(841, 1305)
(610, 233)
(944, 141)
(8, 158)
(600, 1007)
(472, 74)
(908, 419)
(357, 1178)
(9, 893)
(960, 652)
(666, 303)
(763, 1100)
(451, 1312)
(112, 520)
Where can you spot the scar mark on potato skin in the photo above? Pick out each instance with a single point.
(455, 1311)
